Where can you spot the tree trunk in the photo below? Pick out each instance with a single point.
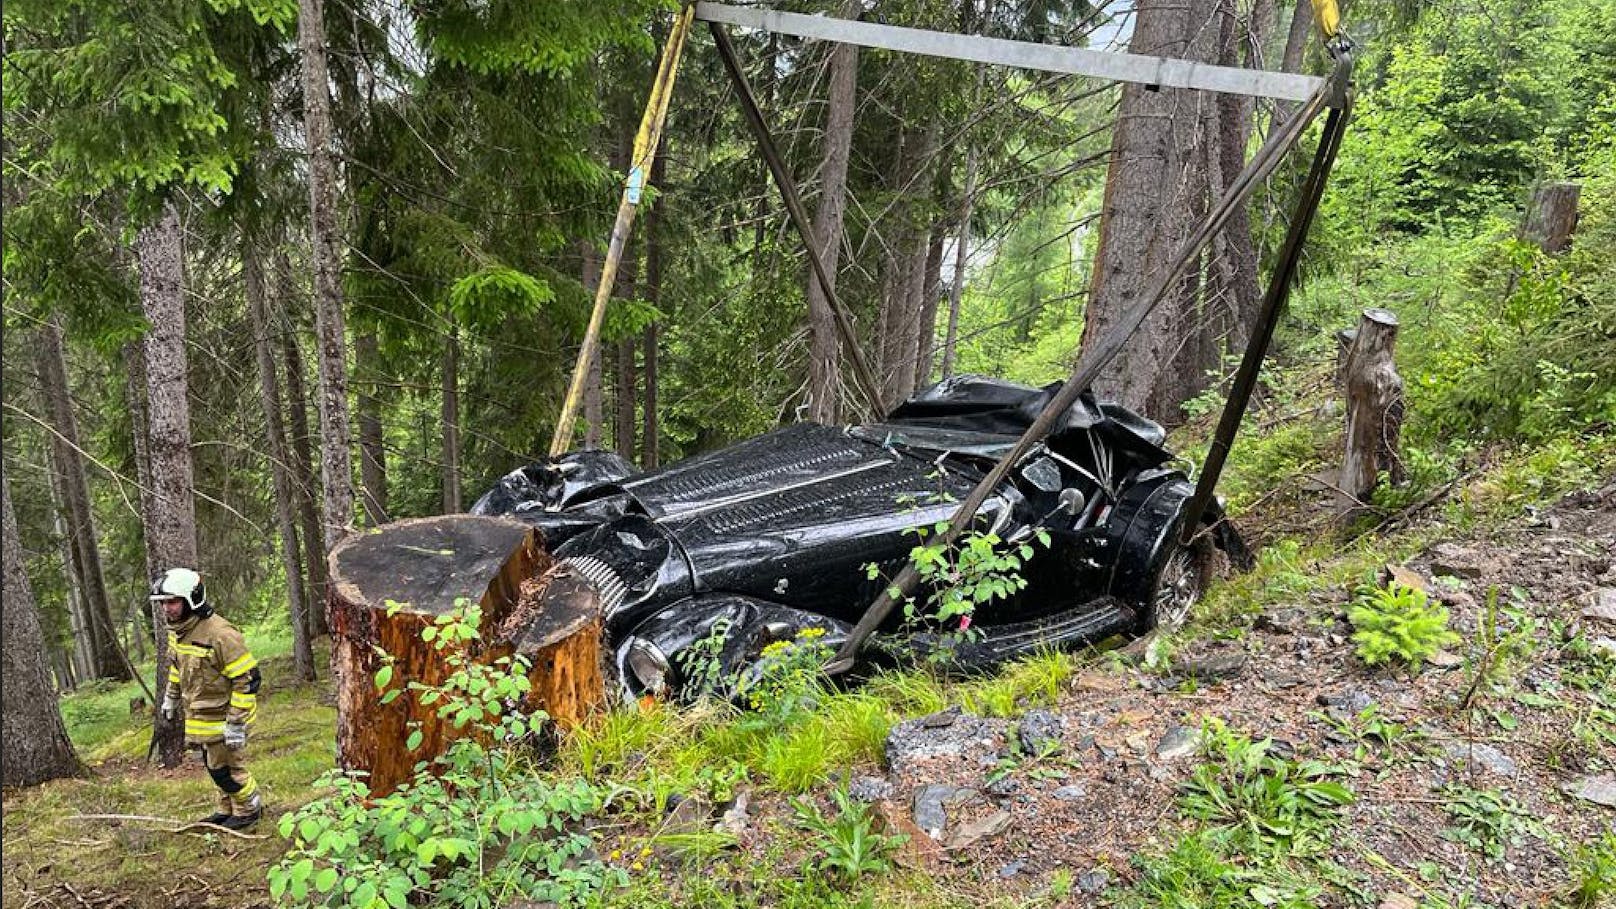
(824, 353)
(279, 459)
(623, 370)
(450, 454)
(336, 463)
(372, 450)
(297, 408)
(34, 746)
(930, 287)
(592, 403)
(168, 508)
(650, 427)
(1551, 218)
(106, 659)
(530, 606)
(80, 653)
(961, 252)
(1155, 185)
(1374, 411)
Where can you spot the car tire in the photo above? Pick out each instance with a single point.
(1179, 578)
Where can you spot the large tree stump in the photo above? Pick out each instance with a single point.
(1374, 410)
(530, 605)
(1551, 216)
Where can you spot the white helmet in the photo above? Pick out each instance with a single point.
(183, 583)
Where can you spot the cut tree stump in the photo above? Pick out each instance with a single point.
(1374, 411)
(531, 605)
(1551, 216)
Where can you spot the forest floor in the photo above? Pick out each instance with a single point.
(1185, 773)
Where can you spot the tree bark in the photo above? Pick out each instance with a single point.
(1290, 59)
(372, 445)
(961, 251)
(34, 746)
(592, 402)
(279, 459)
(651, 428)
(1551, 218)
(303, 477)
(928, 308)
(106, 660)
(78, 650)
(336, 463)
(530, 606)
(166, 500)
(450, 454)
(824, 349)
(1374, 410)
(623, 370)
(1155, 186)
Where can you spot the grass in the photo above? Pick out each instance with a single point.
(292, 743)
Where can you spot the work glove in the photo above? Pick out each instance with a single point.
(235, 736)
(171, 707)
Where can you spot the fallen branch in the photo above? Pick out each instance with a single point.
(174, 825)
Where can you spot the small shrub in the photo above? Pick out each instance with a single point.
(1398, 623)
(848, 843)
(1273, 802)
(1486, 820)
(1593, 873)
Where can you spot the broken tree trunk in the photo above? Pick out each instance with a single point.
(1374, 410)
(1551, 218)
(530, 606)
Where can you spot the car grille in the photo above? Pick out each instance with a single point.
(613, 591)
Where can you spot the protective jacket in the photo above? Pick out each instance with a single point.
(214, 674)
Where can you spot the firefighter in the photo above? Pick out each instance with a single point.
(213, 678)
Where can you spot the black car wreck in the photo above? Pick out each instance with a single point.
(763, 539)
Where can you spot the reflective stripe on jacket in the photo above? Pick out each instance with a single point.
(214, 674)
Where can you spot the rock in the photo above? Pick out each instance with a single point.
(1003, 787)
(1406, 577)
(1282, 749)
(1346, 705)
(1399, 901)
(735, 820)
(1072, 793)
(1601, 605)
(942, 719)
(1455, 561)
(869, 789)
(1601, 790)
(1211, 667)
(1179, 742)
(1013, 868)
(1445, 659)
(1485, 756)
(928, 737)
(1286, 620)
(689, 814)
(1093, 883)
(971, 834)
(931, 804)
(917, 850)
(1039, 733)
(1604, 646)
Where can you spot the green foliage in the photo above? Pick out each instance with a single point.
(847, 842)
(785, 680)
(1593, 872)
(1397, 623)
(1277, 804)
(1486, 820)
(477, 827)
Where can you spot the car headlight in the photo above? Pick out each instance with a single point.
(649, 665)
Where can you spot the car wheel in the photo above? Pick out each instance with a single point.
(1179, 582)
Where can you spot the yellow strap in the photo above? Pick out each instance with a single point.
(1327, 16)
(174, 674)
(243, 701)
(240, 667)
(204, 727)
(247, 788)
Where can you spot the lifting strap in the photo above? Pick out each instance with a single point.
(645, 148)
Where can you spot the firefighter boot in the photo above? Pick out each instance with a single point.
(221, 813)
(247, 813)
